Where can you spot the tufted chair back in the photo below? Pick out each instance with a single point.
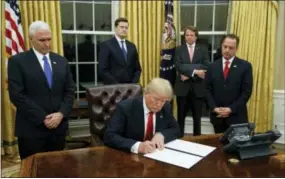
(102, 104)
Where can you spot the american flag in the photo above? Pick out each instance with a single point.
(13, 30)
(167, 67)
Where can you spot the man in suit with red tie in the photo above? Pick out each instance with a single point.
(42, 89)
(229, 86)
(140, 125)
(118, 57)
(191, 61)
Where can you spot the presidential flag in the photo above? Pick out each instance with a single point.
(167, 67)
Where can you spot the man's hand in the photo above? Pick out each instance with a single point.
(146, 147)
(222, 112)
(217, 110)
(158, 140)
(226, 111)
(53, 120)
(183, 77)
(200, 73)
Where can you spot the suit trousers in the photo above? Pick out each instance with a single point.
(220, 126)
(184, 103)
(30, 146)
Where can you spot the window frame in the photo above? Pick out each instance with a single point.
(93, 32)
(213, 32)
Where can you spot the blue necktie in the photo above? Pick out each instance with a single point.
(124, 50)
(47, 70)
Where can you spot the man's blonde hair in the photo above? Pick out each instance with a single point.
(159, 86)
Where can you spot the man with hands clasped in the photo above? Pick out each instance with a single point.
(229, 86)
(42, 89)
(143, 124)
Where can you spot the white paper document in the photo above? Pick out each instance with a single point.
(181, 153)
(190, 147)
(174, 157)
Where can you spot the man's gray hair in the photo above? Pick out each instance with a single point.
(159, 86)
(38, 25)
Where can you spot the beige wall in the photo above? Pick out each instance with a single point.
(280, 48)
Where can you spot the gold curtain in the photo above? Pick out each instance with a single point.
(48, 11)
(256, 28)
(176, 14)
(146, 19)
(279, 77)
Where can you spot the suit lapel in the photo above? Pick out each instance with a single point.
(139, 113)
(158, 122)
(55, 68)
(196, 51)
(119, 51)
(128, 52)
(233, 68)
(221, 70)
(35, 65)
(186, 53)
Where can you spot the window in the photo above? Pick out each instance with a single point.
(210, 17)
(85, 24)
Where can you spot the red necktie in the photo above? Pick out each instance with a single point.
(149, 127)
(226, 69)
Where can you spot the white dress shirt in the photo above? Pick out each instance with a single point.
(40, 58)
(120, 43)
(193, 47)
(230, 60)
(135, 147)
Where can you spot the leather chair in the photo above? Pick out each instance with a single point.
(102, 104)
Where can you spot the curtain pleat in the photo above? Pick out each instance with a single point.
(257, 30)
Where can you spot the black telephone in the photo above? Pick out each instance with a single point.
(239, 131)
(239, 138)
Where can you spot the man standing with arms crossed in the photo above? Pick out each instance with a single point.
(191, 60)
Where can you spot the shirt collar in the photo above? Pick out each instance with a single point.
(145, 109)
(193, 45)
(119, 39)
(40, 55)
(230, 60)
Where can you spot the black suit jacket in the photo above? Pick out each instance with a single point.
(234, 92)
(185, 67)
(113, 68)
(126, 126)
(30, 93)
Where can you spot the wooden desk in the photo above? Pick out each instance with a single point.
(107, 162)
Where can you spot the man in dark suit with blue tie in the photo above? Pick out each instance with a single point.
(118, 57)
(140, 125)
(229, 87)
(191, 62)
(41, 88)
